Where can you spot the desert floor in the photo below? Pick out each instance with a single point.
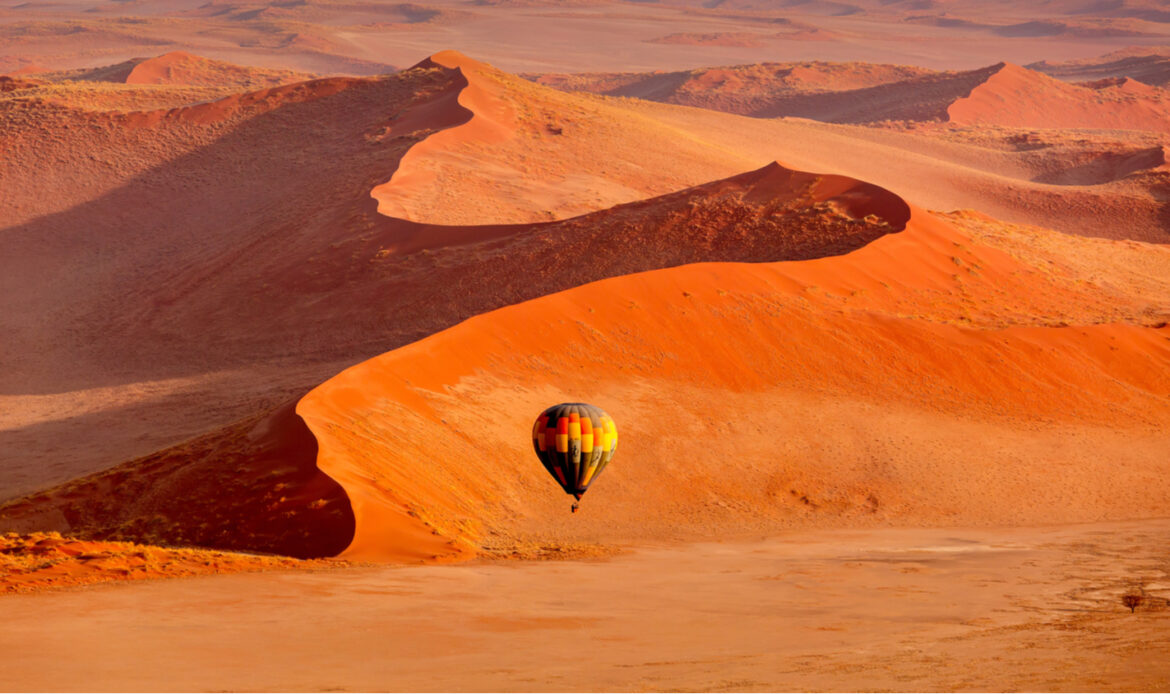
(891, 609)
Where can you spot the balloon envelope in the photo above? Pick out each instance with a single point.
(575, 442)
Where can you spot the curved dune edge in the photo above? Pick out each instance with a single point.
(429, 441)
(463, 112)
(873, 210)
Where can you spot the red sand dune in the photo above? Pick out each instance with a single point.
(251, 486)
(770, 214)
(179, 67)
(145, 188)
(174, 79)
(1035, 175)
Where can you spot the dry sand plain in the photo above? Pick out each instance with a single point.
(886, 340)
(951, 609)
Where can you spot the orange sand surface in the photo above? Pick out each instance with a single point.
(905, 610)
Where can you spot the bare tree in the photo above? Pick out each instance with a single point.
(1132, 600)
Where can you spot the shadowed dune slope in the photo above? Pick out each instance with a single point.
(251, 486)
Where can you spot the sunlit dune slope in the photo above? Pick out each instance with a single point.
(1015, 96)
(986, 139)
(752, 397)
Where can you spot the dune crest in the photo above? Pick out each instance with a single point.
(507, 151)
(466, 112)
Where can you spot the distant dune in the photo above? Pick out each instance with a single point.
(749, 90)
(182, 68)
(1003, 94)
(1148, 65)
(171, 80)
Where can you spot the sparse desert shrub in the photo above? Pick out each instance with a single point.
(1132, 600)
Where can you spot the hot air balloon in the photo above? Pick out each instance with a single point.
(575, 442)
